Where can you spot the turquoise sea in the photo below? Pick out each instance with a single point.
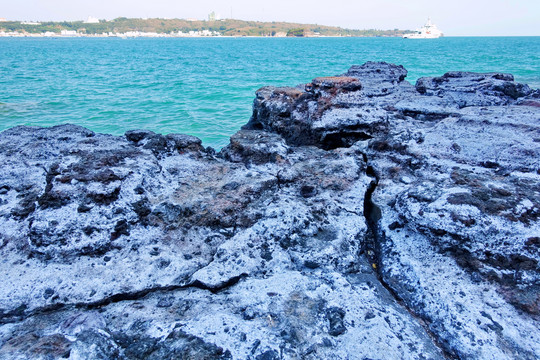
(205, 86)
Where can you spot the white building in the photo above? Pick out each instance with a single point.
(68, 33)
(213, 16)
(92, 20)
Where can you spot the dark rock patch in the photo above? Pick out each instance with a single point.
(336, 317)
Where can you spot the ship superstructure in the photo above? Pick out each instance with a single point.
(428, 31)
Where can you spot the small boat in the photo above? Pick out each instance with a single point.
(428, 31)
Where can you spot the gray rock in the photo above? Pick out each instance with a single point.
(353, 217)
(335, 318)
(472, 89)
(257, 147)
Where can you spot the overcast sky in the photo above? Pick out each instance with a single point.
(453, 17)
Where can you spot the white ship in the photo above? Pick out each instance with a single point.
(428, 31)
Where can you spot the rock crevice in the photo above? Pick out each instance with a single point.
(375, 239)
(357, 216)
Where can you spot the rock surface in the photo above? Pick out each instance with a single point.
(355, 217)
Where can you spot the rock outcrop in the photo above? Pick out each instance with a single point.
(355, 217)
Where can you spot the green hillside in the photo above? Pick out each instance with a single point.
(228, 27)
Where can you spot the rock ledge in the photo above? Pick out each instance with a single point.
(355, 217)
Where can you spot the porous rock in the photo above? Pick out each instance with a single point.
(356, 216)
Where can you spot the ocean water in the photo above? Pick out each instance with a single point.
(205, 86)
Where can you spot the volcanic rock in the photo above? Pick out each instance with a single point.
(354, 217)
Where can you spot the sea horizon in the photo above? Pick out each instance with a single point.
(194, 189)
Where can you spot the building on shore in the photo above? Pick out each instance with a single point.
(213, 16)
(68, 33)
(91, 20)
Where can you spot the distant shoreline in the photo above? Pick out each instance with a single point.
(250, 37)
(186, 37)
(181, 28)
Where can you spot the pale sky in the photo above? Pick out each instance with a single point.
(453, 17)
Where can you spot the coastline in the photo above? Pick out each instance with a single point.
(165, 91)
(353, 207)
(56, 36)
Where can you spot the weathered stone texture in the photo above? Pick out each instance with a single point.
(354, 217)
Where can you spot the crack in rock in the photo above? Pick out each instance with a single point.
(375, 237)
(358, 216)
(16, 316)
